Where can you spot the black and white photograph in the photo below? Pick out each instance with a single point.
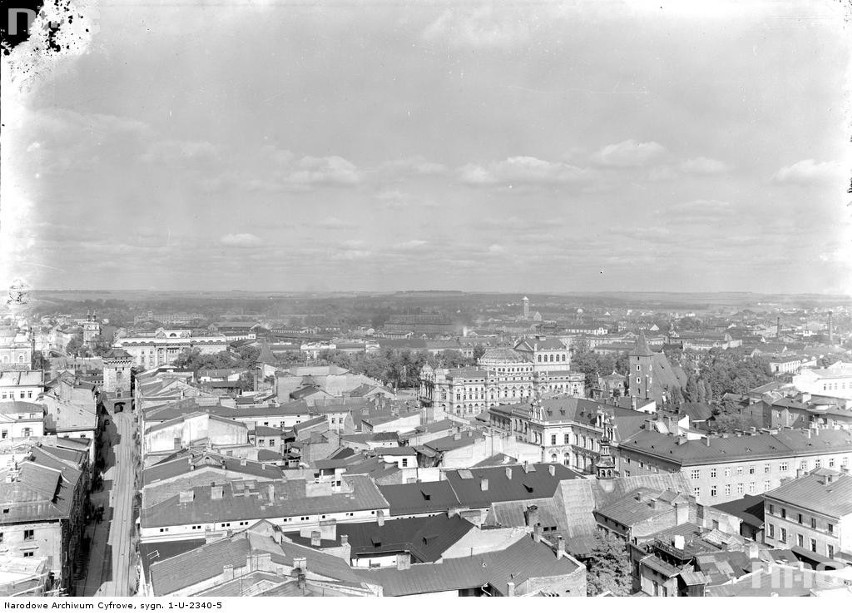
(425, 298)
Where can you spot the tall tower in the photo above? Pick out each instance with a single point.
(641, 368)
(117, 372)
(830, 329)
(778, 327)
(526, 302)
(91, 329)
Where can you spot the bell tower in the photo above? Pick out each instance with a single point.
(641, 368)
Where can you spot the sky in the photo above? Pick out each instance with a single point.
(383, 146)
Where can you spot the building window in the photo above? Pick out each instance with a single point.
(727, 472)
(783, 513)
(29, 535)
(739, 471)
(772, 509)
(740, 489)
(767, 485)
(712, 491)
(404, 462)
(696, 491)
(552, 439)
(804, 465)
(712, 473)
(831, 528)
(801, 519)
(784, 535)
(567, 439)
(751, 488)
(766, 469)
(831, 462)
(783, 467)
(771, 528)
(813, 524)
(829, 550)
(727, 489)
(751, 470)
(29, 554)
(800, 540)
(818, 463)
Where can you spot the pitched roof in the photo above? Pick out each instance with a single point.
(426, 538)
(523, 560)
(189, 461)
(417, 498)
(641, 348)
(748, 508)
(507, 483)
(199, 564)
(823, 491)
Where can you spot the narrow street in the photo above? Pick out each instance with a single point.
(110, 572)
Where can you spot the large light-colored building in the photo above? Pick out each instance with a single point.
(835, 380)
(16, 349)
(24, 385)
(727, 467)
(164, 346)
(813, 512)
(503, 376)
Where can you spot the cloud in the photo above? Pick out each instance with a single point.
(332, 170)
(496, 249)
(333, 223)
(177, 151)
(703, 166)
(417, 165)
(412, 245)
(240, 240)
(522, 170)
(629, 153)
(479, 27)
(807, 172)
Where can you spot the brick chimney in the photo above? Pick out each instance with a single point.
(560, 547)
(483, 485)
(380, 517)
(510, 589)
(227, 572)
(316, 538)
(509, 472)
(537, 533)
(552, 470)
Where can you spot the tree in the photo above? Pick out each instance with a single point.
(73, 346)
(609, 567)
(246, 382)
(478, 352)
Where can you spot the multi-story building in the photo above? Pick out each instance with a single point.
(504, 376)
(835, 380)
(91, 329)
(727, 467)
(24, 385)
(650, 375)
(16, 349)
(812, 512)
(150, 350)
(569, 430)
(21, 420)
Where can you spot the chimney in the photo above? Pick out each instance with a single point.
(707, 440)
(483, 485)
(216, 492)
(186, 496)
(270, 490)
(778, 326)
(227, 572)
(242, 461)
(403, 561)
(300, 563)
(344, 539)
(681, 512)
(316, 538)
(532, 516)
(510, 589)
(679, 542)
(560, 547)
(509, 473)
(552, 470)
(809, 433)
(380, 517)
(537, 533)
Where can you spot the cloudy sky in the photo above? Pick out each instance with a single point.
(520, 147)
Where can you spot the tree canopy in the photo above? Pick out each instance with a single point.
(609, 567)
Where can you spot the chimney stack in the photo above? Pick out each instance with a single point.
(560, 547)
(510, 589)
(532, 516)
(552, 470)
(537, 533)
(778, 326)
(316, 538)
(483, 485)
(509, 472)
(380, 517)
(403, 561)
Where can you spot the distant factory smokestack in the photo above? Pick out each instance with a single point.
(778, 326)
(830, 329)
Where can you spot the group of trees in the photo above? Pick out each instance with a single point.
(718, 372)
(608, 567)
(241, 358)
(595, 365)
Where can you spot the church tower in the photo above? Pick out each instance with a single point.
(526, 302)
(641, 368)
(117, 373)
(91, 329)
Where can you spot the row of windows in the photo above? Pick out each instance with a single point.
(800, 540)
(800, 518)
(767, 468)
(23, 395)
(559, 358)
(740, 487)
(29, 535)
(26, 432)
(833, 386)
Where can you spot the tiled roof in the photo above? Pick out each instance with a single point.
(418, 498)
(823, 491)
(748, 508)
(507, 483)
(190, 462)
(521, 561)
(637, 507)
(449, 443)
(641, 348)
(426, 538)
(240, 502)
(786, 443)
(197, 565)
